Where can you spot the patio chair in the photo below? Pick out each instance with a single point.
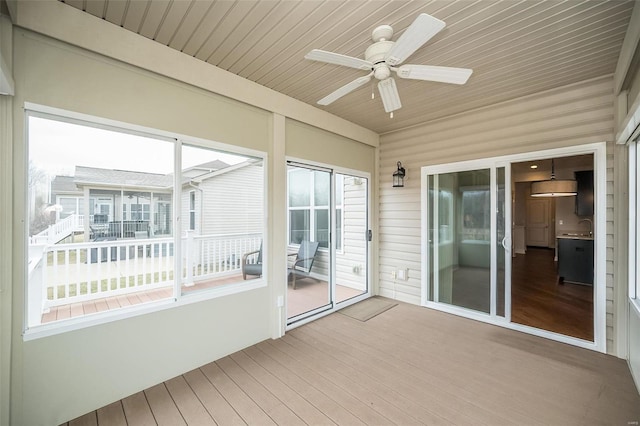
(304, 260)
(252, 268)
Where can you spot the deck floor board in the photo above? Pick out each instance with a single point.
(408, 365)
(112, 414)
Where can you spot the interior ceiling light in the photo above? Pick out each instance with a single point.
(534, 166)
(554, 187)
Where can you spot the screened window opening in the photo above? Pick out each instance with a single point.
(102, 228)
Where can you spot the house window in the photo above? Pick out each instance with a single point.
(309, 206)
(140, 212)
(192, 210)
(129, 244)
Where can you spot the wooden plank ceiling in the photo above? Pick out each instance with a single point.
(515, 48)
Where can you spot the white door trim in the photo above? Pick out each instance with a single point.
(599, 151)
(333, 306)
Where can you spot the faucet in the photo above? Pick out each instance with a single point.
(590, 225)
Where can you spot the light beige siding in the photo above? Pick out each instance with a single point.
(227, 202)
(233, 202)
(351, 260)
(573, 115)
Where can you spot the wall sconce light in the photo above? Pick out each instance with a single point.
(398, 176)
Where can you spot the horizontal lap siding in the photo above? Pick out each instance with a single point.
(568, 116)
(351, 259)
(234, 202)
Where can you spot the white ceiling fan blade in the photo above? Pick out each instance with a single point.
(344, 90)
(419, 32)
(389, 94)
(434, 73)
(338, 59)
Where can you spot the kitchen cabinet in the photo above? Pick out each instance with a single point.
(584, 198)
(575, 260)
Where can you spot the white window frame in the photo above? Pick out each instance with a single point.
(178, 299)
(312, 210)
(634, 225)
(192, 210)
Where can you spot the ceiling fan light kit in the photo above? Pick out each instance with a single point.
(382, 57)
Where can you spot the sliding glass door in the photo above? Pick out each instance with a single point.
(327, 240)
(352, 237)
(466, 238)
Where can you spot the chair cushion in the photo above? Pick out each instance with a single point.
(253, 268)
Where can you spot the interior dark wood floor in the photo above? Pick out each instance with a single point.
(538, 300)
(407, 366)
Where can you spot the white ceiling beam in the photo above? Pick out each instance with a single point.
(629, 48)
(68, 24)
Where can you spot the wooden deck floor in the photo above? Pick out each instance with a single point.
(409, 365)
(309, 294)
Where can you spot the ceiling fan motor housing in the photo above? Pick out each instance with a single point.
(377, 51)
(376, 54)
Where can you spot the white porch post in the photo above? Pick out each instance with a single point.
(87, 214)
(152, 220)
(188, 259)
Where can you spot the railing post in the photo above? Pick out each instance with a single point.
(188, 262)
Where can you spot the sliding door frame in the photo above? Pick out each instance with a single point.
(333, 306)
(599, 152)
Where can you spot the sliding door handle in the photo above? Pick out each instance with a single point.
(506, 243)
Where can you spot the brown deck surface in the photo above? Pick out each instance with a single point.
(408, 365)
(309, 294)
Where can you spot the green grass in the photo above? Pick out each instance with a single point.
(72, 259)
(109, 284)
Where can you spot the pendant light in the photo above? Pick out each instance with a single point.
(554, 187)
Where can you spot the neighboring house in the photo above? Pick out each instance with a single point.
(120, 199)
(203, 208)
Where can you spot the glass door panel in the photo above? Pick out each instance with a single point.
(460, 238)
(309, 248)
(351, 236)
(503, 243)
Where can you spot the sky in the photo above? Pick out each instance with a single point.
(57, 147)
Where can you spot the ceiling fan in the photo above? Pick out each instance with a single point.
(384, 56)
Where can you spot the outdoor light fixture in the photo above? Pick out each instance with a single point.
(554, 187)
(398, 176)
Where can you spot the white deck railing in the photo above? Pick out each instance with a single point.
(78, 272)
(59, 230)
(208, 256)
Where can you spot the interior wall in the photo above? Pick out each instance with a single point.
(568, 116)
(311, 143)
(141, 351)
